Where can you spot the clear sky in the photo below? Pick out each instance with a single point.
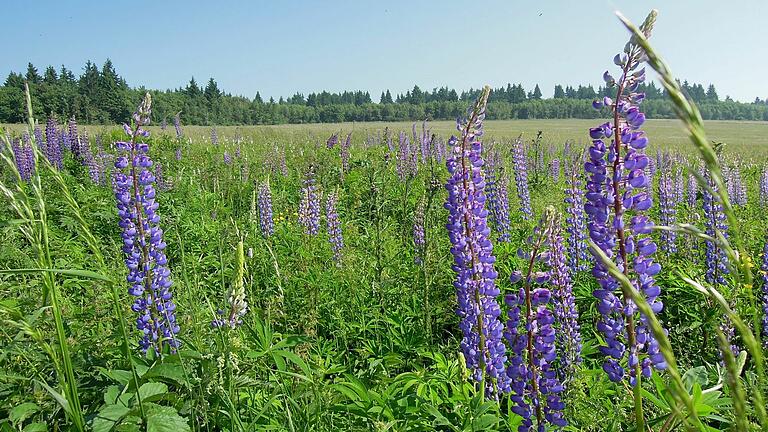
(280, 47)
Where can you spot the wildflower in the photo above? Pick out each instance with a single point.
(265, 210)
(238, 307)
(419, 241)
(521, 177)
(531, 330)
(333, 225)
(475, 282)
(148, 277)
(617, 184)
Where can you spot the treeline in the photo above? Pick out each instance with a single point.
(101, 95)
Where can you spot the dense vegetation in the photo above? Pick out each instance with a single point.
(103, 96)
(380, 279)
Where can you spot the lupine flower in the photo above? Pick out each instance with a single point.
(406, 168)
(737, 187)
(163, 124)
(214, 137)
(24, 156)
(715, 258)
(238, 307)
(419, 241)
(764, 189)
(554, 170)
(764, 294)
(575, 222)
(148, 277)
(611, 192)
(332, 140)
(227, 158)
(678, 189)
(38, 133)
(482, 345)
(53, 145)
(424, 142)
(667, 212)
(497, 187)
(344, 152)
(266, 223)
(566, 313)
(178, 153)
(177, 125)
(693, 190)
(309, 206)
(521, 177)
(530, 332)
(333, 225)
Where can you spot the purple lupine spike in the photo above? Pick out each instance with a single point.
(693, 190)
(38, 133)
(333, 225)
(521, 177)
(24, 158)
(214, 137)
(667, 212)
(424, 142)
(227, 157)
(764, 293)
(476, 290)
(332, 140)
(566, 313)
(575, 221)
(716, 260)
(530, 331)
(554, 170)
(266, 223)
(406, 168)
(309, 206)
(53, 144)
(177, 125)
(178, 153)
(149, 277)
(164, 124)
(344, 152)
(497, 191)
(73, 135)
(419, 241)
(678, 188)
(618, 184)
(764, 190)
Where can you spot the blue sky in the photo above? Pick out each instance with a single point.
(280, 47)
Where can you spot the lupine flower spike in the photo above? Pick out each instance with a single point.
(475, 283)
(617, 197)
(531, 325)
(148, 274)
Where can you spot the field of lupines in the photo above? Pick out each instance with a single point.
(384, 278)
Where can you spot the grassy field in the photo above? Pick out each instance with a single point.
(748, 139)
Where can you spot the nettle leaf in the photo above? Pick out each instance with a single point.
(165, 419)
(22, 412)
(167, 371)
(35, 427)
(111, 395)
(109, 417)
(152, 391)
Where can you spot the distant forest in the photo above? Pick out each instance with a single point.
(101, 95)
